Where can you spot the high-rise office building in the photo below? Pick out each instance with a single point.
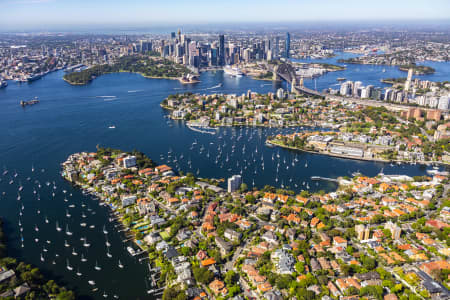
(288, 45)
(221, 50)
(277, 46)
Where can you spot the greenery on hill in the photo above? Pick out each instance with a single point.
(147, 66)
(41, 288)
(418, 70)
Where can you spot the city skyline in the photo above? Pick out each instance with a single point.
(26, 14)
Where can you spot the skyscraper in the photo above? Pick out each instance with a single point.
(234, 183)
(221, 50)
(277, 46)
(288, 45)
(408, 80)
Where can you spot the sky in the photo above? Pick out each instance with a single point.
(21, 14)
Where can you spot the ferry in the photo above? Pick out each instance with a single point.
(233, 71)
(29, 102)
(35, 77)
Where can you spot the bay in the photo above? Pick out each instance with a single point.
(77, 118)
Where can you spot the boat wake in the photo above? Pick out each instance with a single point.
(214, 87)
(135, 91)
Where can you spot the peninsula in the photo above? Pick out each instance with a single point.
(147, 66)
(204, 241)
(403, 65)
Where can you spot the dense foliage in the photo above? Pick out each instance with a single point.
(145, 65)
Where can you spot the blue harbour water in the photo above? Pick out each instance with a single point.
(70, 119)
(369, 74)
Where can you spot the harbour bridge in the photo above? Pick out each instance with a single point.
(286, 72)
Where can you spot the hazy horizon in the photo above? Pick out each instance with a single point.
(53, 15)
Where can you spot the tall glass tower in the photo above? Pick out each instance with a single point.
(288, 45)
(221, 50)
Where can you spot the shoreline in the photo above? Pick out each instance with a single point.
(353, 157)
(240, 124)
(143, 75)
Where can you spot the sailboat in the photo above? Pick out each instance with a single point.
(74, 253)
(107, 242)
(57, 227)
(68, 266)
(104, 230)
(46, 220)
(86, 244)
(78, 272)
(91, 282)
(67, 230)
(42, 257)
(97, 267)
(66, 244)
(120, 265)
(108, 254)
(82, 258)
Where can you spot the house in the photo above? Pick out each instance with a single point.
(390, 297)
(6, 275)
(218, 287)
(434, 265)
(21, 290)
(129, 161)
(232, 235)
(171, 253)
(208, 262)
(339, 242)
(128, 200)
(270, 237)
(152, 238)
(333, 289)
(201, 255)
(284, 261)
(223, 245)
